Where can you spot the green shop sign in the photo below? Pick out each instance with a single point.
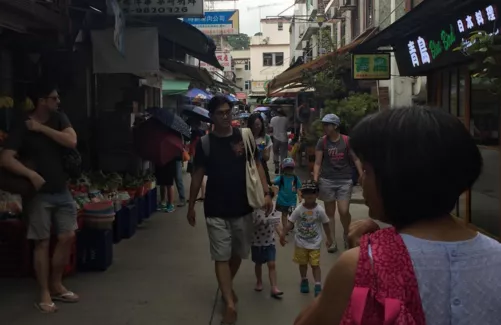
(371, 66)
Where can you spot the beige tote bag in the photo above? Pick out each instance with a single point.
(255, 193)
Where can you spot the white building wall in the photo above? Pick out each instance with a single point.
(241, 73)
(272, 40)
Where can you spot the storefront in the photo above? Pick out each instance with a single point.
(435, 51)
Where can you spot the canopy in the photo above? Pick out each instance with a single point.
(174, 87)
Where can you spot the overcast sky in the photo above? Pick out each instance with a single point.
(249, 18)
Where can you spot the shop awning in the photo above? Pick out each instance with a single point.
(424, 14)
(174, 87)
(187, 37)
(226, 83)
(295, 75)
(192, 72)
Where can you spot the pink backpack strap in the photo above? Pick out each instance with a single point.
(386, 280)
(346, 140)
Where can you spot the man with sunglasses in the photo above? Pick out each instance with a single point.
(222, 157)
(40, 139)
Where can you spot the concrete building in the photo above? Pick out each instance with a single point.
(269, 54)
(242, 69)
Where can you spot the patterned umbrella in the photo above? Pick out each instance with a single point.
(243, 116)
(198, 93)
(262, 109)
(170, 120)
(197, 112)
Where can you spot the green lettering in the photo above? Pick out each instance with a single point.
(448, 39)
(362, 64)
(380, 64)
(435, 49)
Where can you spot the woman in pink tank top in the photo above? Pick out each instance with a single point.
(417, 162)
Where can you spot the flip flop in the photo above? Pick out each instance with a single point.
(200, 199)
(46, 308)
(68, 297)
(277, 295)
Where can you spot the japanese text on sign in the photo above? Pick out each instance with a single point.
(424, 51)
(162, 7)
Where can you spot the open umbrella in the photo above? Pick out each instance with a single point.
(197, 112)
(156, 143)
(243, 116)
(198, 93)
(262, 109)
(232, 98)
(170, 120)
(235, 123)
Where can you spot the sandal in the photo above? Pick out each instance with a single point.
(200, 199)
(46, 308)
(277, 295)
(68, 297)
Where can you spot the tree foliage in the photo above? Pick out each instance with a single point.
(350, 110)
(239, 42)
(485, 50)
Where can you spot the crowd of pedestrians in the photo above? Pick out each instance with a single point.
(428, 268)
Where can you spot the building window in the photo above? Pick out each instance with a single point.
(279, 58)
(267, 59)
(247, 85)
(484, 128)
(247, 65)
(273, 59)
(280, 26)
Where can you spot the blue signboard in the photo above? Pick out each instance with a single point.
(225, 22)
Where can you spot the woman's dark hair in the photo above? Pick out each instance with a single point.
(423, 159)
(218, 101)
(252, 119)
(40, 90)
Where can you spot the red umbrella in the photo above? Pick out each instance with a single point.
(235, 123)
(156, 143)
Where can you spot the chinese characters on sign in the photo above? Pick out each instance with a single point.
(429, 49)
(371, 66)
(217, 22)
(224, 59)
(259, 86)
(182, 8)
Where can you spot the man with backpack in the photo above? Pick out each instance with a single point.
(222, 156)
(333, 170)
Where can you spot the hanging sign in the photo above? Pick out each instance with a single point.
(177, 8)
(433, 47)
(371, 66)
(224, 59)
(215, 23)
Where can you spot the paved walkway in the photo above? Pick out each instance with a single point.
(164, 275)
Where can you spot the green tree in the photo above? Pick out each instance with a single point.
(238, 42)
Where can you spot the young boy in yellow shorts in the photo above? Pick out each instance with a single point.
(309, 219)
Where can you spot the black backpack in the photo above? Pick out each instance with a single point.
(281, 183)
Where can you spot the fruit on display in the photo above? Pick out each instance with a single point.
(6, 102)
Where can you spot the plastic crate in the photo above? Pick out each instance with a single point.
(94, 250)
(118, 225)
(130, 221)
(15, 250)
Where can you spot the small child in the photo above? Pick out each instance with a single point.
(287, 183)
(263, 249)
(309, 218)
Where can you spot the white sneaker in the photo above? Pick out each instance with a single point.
(333, 248)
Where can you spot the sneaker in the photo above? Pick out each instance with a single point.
(169, 208)
(318, 289)
(162, 207)
(305, 286)
(333, 248)
(181, 203)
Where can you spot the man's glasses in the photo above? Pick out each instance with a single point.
(224, 113)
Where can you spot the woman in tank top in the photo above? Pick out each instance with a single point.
(417, 162)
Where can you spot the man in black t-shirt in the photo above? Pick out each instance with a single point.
(40, 139)
(227, 210)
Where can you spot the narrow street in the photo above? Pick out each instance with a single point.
(164, 275)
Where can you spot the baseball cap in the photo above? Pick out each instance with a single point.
(331, 119)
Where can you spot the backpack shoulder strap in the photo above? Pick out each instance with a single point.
(205, 140)
(295, 181)
(346, 140)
